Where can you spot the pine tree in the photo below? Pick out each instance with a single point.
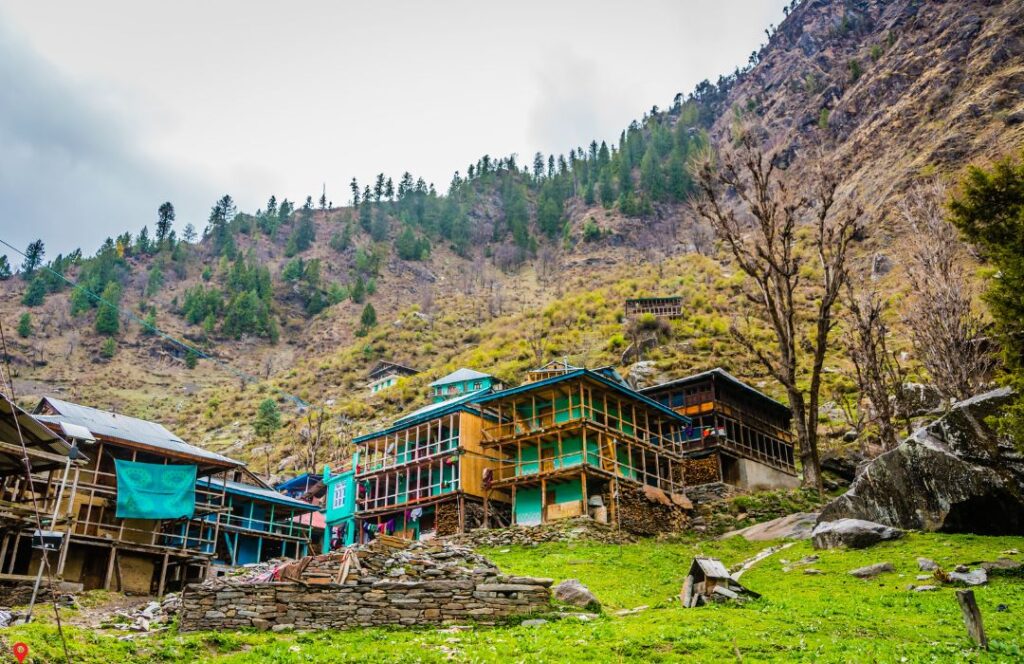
(5, 269)
(25, 325)
(354, 186)
(189, 235)
(107, 320)
(368, 318)
(358, 293)
(164, 221)
(33, 259)
(35, 294)
(266, 424)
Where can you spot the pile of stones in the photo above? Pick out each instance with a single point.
(563, 530)
(378, 584)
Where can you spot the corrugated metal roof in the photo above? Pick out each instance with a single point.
(460, 375)
(253, 491)
(113, 425)
(661, 408)
(34, 433)
(717, 371)
(426, 413)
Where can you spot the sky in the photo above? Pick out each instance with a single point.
(108, 108)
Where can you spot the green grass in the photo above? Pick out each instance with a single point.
(829, 618)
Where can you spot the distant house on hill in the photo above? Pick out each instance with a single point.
(386, 374)
(661, 307)
(460, 382)
(740, 435)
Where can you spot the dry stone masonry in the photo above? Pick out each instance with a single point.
(421, 583)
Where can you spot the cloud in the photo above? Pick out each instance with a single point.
(73, 169)
(575, 104)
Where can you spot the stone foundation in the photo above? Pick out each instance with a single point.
(421, 584)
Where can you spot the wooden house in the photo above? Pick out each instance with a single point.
(28, 502)
(581, 437)
(660, 307)
(386, 374)
(129, 554)
(460, 383)
(423, 476)
(740, 435)
(258, 523)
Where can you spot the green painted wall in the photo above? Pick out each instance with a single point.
(572, 455)
(528, 503)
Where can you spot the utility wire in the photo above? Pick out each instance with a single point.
(300, 403)
(44, 560)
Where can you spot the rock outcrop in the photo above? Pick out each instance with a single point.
(954, 475)
(852, 533)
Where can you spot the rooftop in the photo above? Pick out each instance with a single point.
(105, 424)
(259, 492)
(721, 373)
(460, 375)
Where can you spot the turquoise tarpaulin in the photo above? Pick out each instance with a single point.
(155, 491)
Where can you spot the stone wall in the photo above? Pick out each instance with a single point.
(418, 584)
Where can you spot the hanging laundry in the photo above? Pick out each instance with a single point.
(415, 514)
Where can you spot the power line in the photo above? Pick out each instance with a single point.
(157, 331)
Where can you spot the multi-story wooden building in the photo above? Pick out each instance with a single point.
(461, 382)
(138, 555)
(741, 436)
(422, 476)
(561, 441)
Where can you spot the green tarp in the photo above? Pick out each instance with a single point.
(155, 491)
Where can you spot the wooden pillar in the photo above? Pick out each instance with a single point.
(163, 576)
(110, 568)
(513, 504)
(583, 490)
(462, 513)
(543, 500)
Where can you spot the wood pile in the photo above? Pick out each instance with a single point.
(639, 514)
(702, 471)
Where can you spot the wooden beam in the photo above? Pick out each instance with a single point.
(33, 453)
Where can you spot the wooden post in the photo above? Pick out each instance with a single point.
(972, 617)
(543, 499)
(583, 491)
(163, 576)
(110, 567)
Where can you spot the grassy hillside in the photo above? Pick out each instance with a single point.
(831, 617)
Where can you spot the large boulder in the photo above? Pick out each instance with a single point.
(571, 591)
(954, 475)
(851, 533)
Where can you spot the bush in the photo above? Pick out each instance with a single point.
(108, 348)
(25, 325)
(591, 231)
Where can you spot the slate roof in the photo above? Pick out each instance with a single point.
(106, 424)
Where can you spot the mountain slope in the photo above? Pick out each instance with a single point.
(525, 265)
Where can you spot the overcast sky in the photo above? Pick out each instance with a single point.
(109, 108)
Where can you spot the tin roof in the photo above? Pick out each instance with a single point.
(722, 373)
(426, 413)
(35, 435)
(258, 492)
(712, 568)
(592, 375)
(105, 424)
(460, 375)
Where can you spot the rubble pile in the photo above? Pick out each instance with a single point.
(389, 582)
(563, 530)
(153, 616)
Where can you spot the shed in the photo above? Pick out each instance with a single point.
(709, 580)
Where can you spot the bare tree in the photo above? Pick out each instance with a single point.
(702, 238)
(763, 242)
(313, 437)
(877, 370)
(946, 329)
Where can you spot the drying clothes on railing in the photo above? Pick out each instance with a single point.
(414, 514)
(155, 491)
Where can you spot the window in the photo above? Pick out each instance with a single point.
(476, 386)
(339, 496)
